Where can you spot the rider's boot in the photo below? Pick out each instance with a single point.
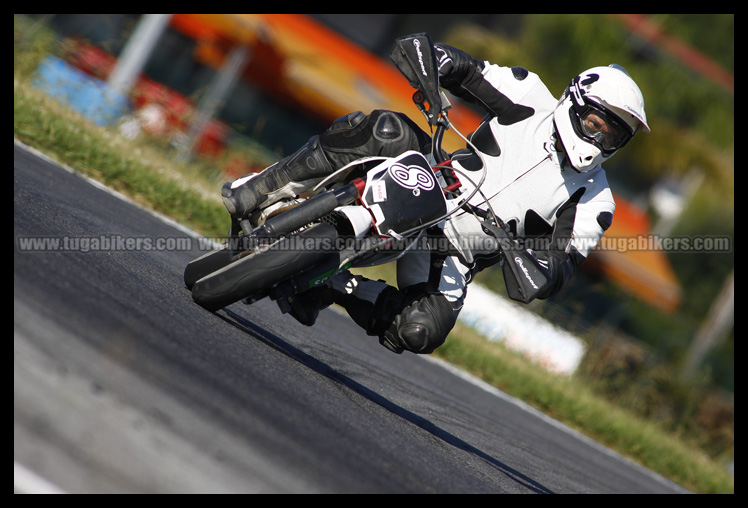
(305, 307)
(355, 293)
(285, 179)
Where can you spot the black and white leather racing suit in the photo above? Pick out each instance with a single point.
(559, 213)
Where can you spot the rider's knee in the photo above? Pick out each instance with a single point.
(395, 133)
(388, 128)
(382, 132)
(422, 326)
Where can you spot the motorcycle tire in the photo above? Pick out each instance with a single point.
(205, 265)
(259, 272)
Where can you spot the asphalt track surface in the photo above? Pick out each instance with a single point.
(122, 384)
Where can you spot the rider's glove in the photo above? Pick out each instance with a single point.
(526, 277)
(528, 274)
(454, 65)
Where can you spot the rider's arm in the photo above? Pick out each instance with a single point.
(539, 268)
(580, 223)
(463, 76)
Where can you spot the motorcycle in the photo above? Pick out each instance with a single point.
(368, 213)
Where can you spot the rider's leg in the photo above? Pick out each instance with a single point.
(417, 317)
(349, 138)
(284, 179)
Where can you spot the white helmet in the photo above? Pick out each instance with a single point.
(598, 113)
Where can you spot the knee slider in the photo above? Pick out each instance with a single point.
(394, 133)
(357, 135)
(424, 325)
(388, 127)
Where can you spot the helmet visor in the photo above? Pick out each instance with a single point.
(600, 127)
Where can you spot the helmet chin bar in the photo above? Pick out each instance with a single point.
(582, 156)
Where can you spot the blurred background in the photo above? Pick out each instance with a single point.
(658, 316)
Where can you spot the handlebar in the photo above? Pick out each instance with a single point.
(415, 58)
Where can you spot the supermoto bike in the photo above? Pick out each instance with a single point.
(367, 213)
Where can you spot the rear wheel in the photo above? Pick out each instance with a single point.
(259, 272)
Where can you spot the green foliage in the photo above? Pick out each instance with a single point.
(31, 43)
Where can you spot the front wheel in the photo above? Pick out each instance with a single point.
(205, 265)
(260, 271)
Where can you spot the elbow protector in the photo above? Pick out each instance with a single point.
(462, 75)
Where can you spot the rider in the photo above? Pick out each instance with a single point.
(543, 179)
